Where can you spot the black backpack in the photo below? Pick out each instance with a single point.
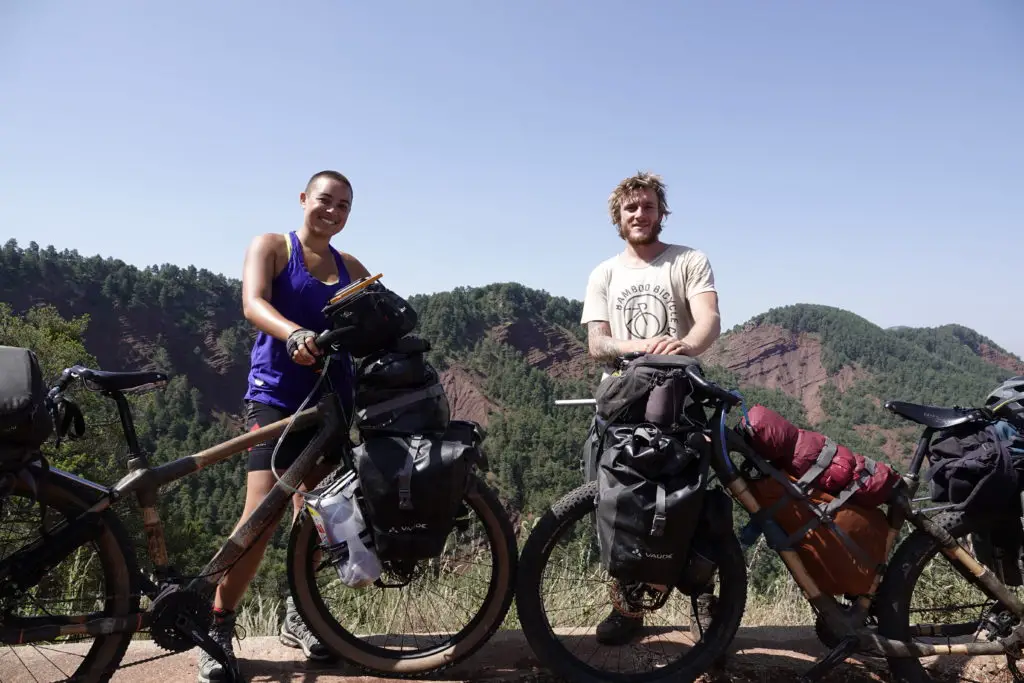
(413, 486)
(25, 423)
(980, 469)
(651, 488)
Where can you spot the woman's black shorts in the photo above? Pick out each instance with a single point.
(260, 415)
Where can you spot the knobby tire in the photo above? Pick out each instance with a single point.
(119, 566)
(569, 510)
(897, 589)
(301, 577)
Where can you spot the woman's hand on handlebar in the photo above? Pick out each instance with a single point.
(302, 347)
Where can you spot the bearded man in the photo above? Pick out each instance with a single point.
(653, 297)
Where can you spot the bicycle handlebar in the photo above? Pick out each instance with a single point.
(706, 385)
(694, 373)
(328, 337)
(63, 381)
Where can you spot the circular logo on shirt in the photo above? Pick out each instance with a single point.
(645, 315)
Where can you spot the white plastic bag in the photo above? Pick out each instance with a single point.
(339, 521)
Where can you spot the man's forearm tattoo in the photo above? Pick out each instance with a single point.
(602, 345)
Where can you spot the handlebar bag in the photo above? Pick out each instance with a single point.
(373, 319)
(652, 388)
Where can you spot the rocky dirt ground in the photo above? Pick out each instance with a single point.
(759, 655)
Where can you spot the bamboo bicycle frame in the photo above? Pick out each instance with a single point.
(144, 482)
(899, 509)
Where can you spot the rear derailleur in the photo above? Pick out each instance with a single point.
(999, 623)
(182, 620)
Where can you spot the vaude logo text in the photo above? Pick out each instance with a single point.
(637, 552)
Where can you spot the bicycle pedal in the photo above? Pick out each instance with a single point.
(205, 642)
(837, 655)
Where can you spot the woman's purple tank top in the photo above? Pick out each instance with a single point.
(274, 378)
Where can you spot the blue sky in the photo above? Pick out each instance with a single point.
(867, 155)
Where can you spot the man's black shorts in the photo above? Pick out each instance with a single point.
(260, 415)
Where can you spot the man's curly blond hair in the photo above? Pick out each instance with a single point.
(630, 185)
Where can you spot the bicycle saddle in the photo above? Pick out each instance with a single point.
(107, 380)
(932, 416)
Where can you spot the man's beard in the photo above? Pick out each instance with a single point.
(651, 238)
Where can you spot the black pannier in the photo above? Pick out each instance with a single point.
(651, 488)
(25, 423)
(412, 487)
(372, 319)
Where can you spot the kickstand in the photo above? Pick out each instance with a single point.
(211, 646)
(829, 661)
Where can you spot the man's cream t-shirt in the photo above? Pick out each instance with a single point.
(641, 302)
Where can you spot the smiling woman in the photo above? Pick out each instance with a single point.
(287, 280)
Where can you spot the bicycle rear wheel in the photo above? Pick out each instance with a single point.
(346, 619)
(921, 581)
(97, 579)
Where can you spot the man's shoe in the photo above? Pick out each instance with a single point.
(700, 619)
(295, 633)
(700, 622)
(618, 629)
(210, 670)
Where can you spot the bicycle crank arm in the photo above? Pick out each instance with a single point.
(185, 624)
(32, 629)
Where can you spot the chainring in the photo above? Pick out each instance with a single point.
(825, 634)
(168, 606)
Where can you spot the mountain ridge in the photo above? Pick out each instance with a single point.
(505, 352)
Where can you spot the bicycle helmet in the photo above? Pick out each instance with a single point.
(1007, 401)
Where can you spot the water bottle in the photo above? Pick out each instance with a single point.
(339, 521)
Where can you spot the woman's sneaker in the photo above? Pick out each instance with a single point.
(295, 633)
(210, 670)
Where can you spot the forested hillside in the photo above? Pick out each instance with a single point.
(506, 352)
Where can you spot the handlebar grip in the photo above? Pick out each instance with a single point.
(329, 337)
(727, 397)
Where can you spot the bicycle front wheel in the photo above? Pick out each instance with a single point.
(94, 580)
(561, 555)
(423, 620)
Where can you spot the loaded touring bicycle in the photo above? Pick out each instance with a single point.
(403, 539)
(651, 533)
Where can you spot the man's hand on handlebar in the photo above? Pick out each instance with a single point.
(668, 346)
